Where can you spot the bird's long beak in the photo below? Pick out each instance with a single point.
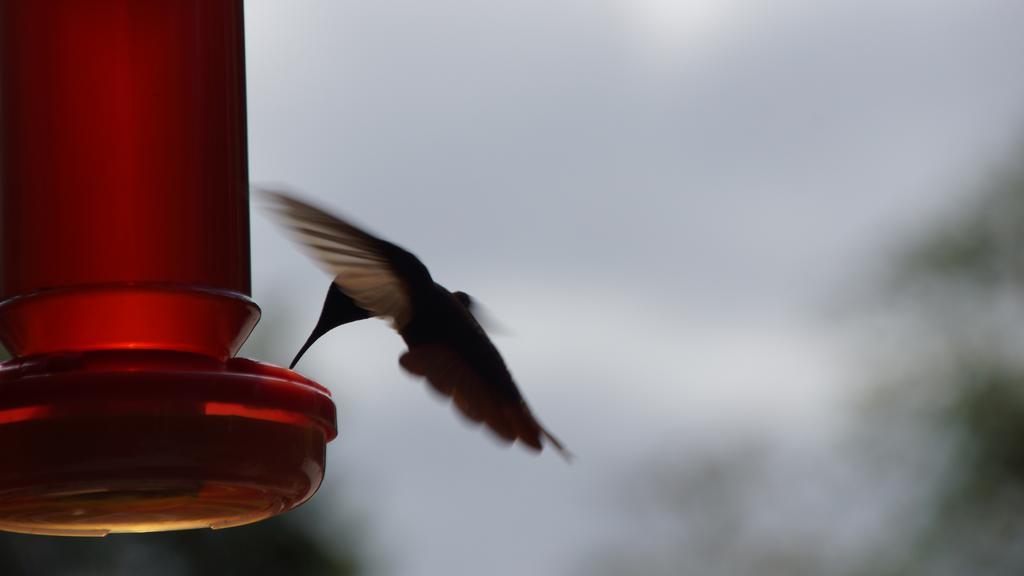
(338, 309)
(319, 331)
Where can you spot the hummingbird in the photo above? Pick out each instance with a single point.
(446, 344)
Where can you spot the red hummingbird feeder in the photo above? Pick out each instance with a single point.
(125, 280)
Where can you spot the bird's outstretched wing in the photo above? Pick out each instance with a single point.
(376, 274)
(503, 411)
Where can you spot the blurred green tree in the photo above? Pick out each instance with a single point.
(964, 284)
(287, 544)
(934, 455)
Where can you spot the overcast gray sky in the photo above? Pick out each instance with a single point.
(655, 197)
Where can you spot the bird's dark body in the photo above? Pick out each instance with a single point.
(442, 320)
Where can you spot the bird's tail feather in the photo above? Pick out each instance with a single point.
(562, 450)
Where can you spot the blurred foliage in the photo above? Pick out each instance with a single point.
(933, 462)
(973, 512)
(977, 516)
(283, 545)
(960, 388)
(982, 245)
(717, 514)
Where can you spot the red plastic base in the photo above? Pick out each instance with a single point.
(139, 441)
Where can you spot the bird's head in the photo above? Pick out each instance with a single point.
(463, 299)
